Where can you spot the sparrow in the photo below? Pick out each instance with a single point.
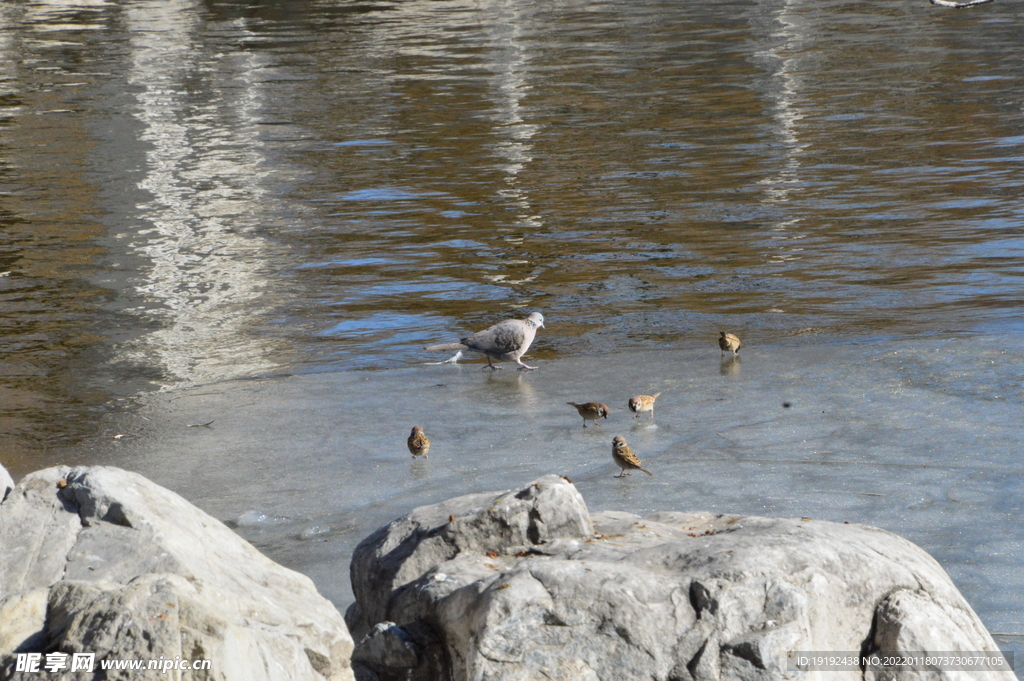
(591, 411)
(642, 403)
(506, 341)
(729, 341)
(625, 458)
(418, 442)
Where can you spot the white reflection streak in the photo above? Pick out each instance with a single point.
(786, 111)
(39, 12)
(784, 90)
(8, 62)
(509, 59)
(204, 178)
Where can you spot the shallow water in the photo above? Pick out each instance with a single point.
(193, 193)
(198, 191)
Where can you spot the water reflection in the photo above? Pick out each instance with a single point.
(509, 57)
(782, 40)
(204, 169)
(419, 468)
(514, 389)
(730, 365)
(49, 321)
(202, 190)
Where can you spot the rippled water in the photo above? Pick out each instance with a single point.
(194, 191)
(197, 191)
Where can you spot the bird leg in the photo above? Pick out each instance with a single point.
(524, 367)
(491, 364)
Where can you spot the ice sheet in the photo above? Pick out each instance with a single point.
(920, 436)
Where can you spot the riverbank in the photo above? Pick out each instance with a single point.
(130, 570)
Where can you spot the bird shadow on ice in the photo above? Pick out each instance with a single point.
(625, 487)
(516, 383)
(419, 468)
(730, 365)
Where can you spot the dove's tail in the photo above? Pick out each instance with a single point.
(648, 472)
(447, 347)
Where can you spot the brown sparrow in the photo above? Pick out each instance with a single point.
(591, 411)
(642, 403)
(625, 458)
(729, 341)
(418, 442)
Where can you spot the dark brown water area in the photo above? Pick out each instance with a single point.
(194, 192)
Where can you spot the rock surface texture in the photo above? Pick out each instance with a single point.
(101, 560)
(527, 585)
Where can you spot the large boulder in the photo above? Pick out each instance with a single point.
(527, 585)
(101, 560)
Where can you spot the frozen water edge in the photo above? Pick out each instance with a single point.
(918, 436)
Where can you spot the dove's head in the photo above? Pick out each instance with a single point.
(537, 318)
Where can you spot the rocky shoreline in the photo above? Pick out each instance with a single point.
(524, 584)
(101, 560)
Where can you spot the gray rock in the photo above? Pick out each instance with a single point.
(402, 552)
(388, 644)
(526, 585)
(23, 621)
(116, 565)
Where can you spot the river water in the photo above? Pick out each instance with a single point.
(257, 214)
